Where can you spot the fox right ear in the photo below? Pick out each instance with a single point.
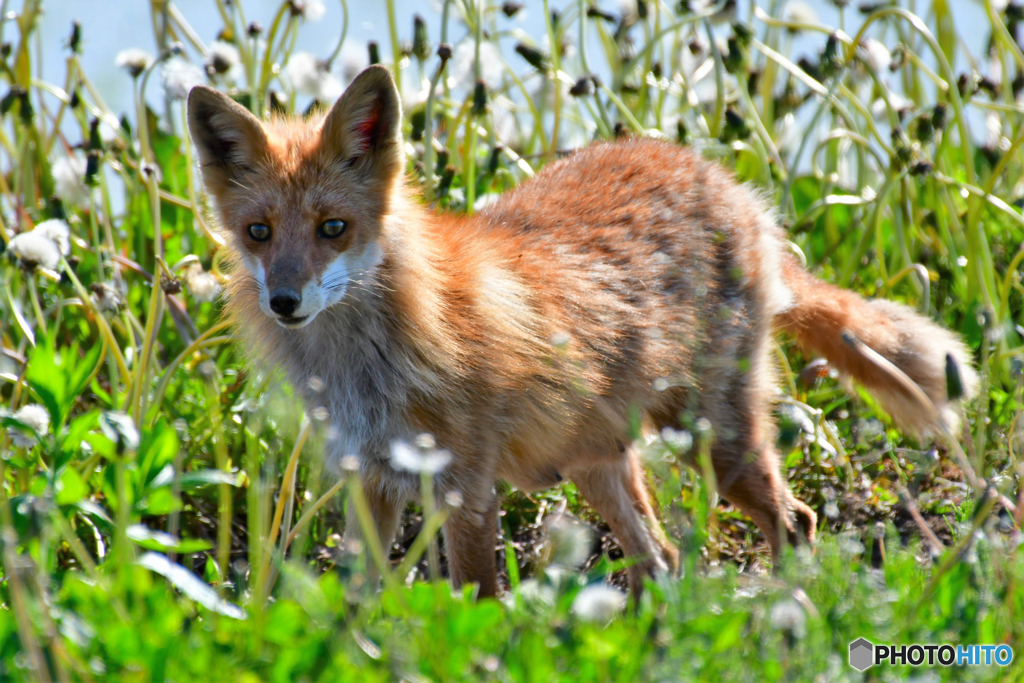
(230, 140)
(363, 128)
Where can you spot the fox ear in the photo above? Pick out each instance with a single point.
(363, 128)
(230, 140)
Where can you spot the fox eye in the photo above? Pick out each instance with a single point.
(259, 232)
(332, 228)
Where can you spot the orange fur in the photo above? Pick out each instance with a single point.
(631, 276)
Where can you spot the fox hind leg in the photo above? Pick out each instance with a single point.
(615, 488)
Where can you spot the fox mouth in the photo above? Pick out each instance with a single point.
(292, 322)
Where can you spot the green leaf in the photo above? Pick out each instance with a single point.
(70, 488)
(158, 448)
(71, 441)
(191, 585)
(150, 539)
(200, 478)
(81, 370)
(46, 378)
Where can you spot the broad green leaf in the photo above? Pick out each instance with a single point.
(46, 377)
(70, 488)
(150, 539)
(200, 478)
(191, 585)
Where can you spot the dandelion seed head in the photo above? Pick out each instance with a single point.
(598, 604)
(179, 76)
(69, 180)
(409, 458)
(570, 540)
(223, 59)
(678, 440)
(788, 615)
(310, 10)
(34, 416)
(134, 60)
(492, 65)
(875, 55)
(799, 12)
(106, 296)
(309, 76)
(42, 246)
(203, 286)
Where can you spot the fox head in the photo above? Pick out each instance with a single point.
(302, 202)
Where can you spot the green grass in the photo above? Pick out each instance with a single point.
(170, 519)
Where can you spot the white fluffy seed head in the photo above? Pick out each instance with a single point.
(134, 60)
(69, 181)
(599, 604)
(309, 76)
(223, 60)
(42, 246)
(36, 417)
(203, 286)
(800, 12)
(875, 55)
(310, 10)
(409, 458)
(179, 76)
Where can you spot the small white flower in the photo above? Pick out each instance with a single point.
(179, 76)
(875, 55)
(203, 286)
(42, 246)
(599, 603)
(492, 65)
(69, 181)
(310, 10)
(134, 60)
(309, 76)
(223, 59)
(788, 615)
(678, 440)
(36, 417)
(411, 459)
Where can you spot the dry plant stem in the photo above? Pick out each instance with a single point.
(101, 322)
(224, 499)
(284, 501)
(922, 525)
(308, 515)
(204, 341)
(371, 539)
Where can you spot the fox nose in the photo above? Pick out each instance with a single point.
(284, 301)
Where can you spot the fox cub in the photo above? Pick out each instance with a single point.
(630, 276)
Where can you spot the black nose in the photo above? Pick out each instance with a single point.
(284, 301)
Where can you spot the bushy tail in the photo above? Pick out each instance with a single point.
(828, 320)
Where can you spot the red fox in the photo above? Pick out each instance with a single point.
(632, 277)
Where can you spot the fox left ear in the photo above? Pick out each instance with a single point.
(363, 128)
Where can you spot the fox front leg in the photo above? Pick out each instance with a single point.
(470, 536)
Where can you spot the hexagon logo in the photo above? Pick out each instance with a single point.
(862, 654)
